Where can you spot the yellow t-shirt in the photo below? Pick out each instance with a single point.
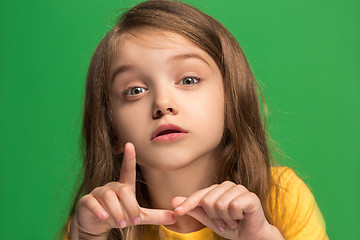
(298, 216)
(162, 233)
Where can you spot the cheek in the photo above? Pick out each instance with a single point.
(215, 120)
(216, 107)
(209, 114)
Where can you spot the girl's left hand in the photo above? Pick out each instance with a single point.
(228, 209)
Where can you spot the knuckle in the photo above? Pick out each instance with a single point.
(255, 200)
(220, 206)
(241, 188)
(111, 185)
(205, 202)
(85, 200)
(96, 190)
(254, 197)
(125, 189)
(235, 205)
(108, 194)
(228, 183)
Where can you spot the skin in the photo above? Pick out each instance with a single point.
(161, 78)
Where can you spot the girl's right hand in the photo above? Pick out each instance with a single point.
(114, 205)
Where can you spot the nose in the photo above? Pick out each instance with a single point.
(164, 104)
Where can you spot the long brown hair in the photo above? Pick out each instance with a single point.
(244, 158)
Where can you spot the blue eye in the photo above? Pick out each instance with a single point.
(189, 81)
(135, 91)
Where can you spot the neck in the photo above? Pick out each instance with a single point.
(164, 185)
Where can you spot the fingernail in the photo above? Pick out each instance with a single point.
(103, 214)
(179, 209)
(221, 228)
(136, 220)
(122, 224)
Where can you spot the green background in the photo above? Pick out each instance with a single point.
(305, 54)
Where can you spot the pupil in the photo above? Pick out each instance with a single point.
(136, 91)
(188, 81)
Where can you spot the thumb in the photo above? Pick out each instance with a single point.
(198, 212)
(177, 201)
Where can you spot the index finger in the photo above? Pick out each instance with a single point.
(192, 201)
(128, 167)
(157, 216)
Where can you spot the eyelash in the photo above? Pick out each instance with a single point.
(127, 91)
(198, 79)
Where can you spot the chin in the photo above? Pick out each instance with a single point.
(166, 161)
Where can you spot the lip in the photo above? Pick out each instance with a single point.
(177, 133)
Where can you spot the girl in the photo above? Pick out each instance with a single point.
(172, 84)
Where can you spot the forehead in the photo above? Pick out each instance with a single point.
(155, 39)
(140, 42)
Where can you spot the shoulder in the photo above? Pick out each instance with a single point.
(288, 186)
(284, 175)
(293, 206)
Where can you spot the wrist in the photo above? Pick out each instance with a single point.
(273, 233)
(84, 235)
(78, 233)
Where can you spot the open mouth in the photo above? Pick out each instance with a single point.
(167, 132)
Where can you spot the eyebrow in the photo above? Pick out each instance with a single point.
(189, 55)
(121, 69)
(176, 58)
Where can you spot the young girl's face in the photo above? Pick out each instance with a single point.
(167, 98)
